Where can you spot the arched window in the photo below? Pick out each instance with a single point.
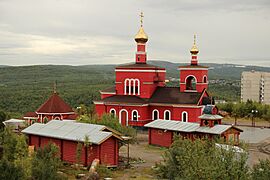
(113, 112)
(184, 116)
(57, 118)
(155, 114)
(167, 115)
(135, 115)
(191, 83)
(204, 79)
(132, 87)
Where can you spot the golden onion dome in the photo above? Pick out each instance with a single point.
(194, 49)
(141, 36)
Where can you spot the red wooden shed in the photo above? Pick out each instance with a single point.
(161, 131)
(67, 134)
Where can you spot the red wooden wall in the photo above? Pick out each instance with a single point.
(107, 152)
(160, 138)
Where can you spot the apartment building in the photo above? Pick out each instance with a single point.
(255, 86)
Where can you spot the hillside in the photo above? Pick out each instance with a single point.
(25, 88)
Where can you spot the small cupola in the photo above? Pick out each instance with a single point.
(210, 116)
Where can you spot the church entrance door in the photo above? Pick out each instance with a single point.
(124, 117)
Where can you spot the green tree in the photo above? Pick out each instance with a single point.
(10, 171)
(261, 171)
(201, 159)
(15, 155)
(46, 163)
(79, 152)
(236, 112)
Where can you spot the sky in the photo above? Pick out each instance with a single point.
(79, 32)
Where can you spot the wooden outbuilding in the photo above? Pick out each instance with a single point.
(103, 142)
(161, 132)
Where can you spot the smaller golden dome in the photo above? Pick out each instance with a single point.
(194, 50)
(141, 36)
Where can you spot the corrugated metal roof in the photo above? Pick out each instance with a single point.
(173, 125)
(69, 130)
(187, 127)
(210, 116)
(217, 129)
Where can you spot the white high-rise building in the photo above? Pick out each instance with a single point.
(255, 86)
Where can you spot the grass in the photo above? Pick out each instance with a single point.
(246, 121)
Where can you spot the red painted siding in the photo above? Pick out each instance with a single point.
(69, 151)
(44, 141)
(160, 138)
(34, 140)
(108, 152)
(146, 90)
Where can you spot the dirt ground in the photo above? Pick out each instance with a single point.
(148, 155)
(259, 148)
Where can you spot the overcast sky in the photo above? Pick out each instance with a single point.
(78, 32)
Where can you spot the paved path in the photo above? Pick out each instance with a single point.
(254, 135)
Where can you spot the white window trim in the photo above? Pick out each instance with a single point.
(131, 82)
(184, 112)
(112, 109)
(191, 76)
(57, 118)
(164, 115)
(137, 115)
(155, 110)
(121, 117)
(203, 79)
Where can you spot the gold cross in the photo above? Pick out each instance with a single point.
(141, 15)
(194, 39)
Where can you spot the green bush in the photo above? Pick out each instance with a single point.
(201, 159)
(46, 163)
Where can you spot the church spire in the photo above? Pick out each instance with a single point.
(194, 51)
(141, 38)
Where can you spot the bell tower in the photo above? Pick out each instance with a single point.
(141, 38)
(193, 77)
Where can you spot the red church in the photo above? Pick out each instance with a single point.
(140, 94)
(54, 108)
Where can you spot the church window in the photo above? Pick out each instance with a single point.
(184, 116)
(132, 87)
(167, 115)
(155, 115)
(136, 90)
(113, 112)
(204, 79)
(135, 115)
(127, 89)
(191, 83)
(57, 118)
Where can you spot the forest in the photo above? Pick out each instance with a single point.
(25, 88)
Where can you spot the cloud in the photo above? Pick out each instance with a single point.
(91, 32)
